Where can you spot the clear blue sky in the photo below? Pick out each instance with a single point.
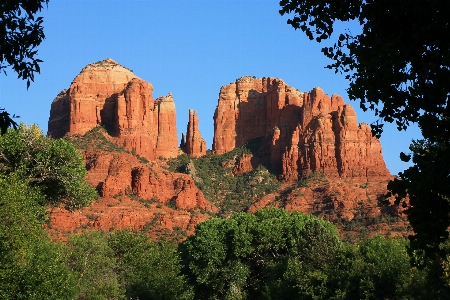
(189, 48)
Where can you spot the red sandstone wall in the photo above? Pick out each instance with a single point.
(306, 131)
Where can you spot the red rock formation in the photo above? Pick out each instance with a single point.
(244, 164)
(107, 94)
(120, 177)
(110, 213)
(60, 112)
(122, 174)
(176, 187)
(305, 132)
(194, 145)
(335, 199)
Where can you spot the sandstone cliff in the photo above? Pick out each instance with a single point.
(304, 132)
(122, 174)
(329, 165)
(134, 195)
(109, 95)
(193, 143)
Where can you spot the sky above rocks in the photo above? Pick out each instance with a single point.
(189, 48)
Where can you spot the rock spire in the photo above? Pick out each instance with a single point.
(194, 145)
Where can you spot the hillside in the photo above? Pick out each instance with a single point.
(273, 146)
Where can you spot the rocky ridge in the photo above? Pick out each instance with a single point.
(303, 136)
(304, 132)
(133, 193)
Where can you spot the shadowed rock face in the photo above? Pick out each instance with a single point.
(304, 132)
(107, 94)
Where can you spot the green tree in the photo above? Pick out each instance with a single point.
(400, 69)
(247, 255)
(32, 267)
(54, 166)
(386, 272)
(148, 270)
(379, 268)
(92, 261)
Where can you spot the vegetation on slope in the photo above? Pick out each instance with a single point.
(213, 176)
(96, 139)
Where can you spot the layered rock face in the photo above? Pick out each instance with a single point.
(107, 94)
(122, 174)
(304, 132)
(193, 143)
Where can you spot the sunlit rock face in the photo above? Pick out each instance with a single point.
(304, 132)
(110, 95)
(193, 143)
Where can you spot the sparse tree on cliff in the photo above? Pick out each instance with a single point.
(399, 67)
(20, 34)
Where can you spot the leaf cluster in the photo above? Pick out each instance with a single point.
(426, 185)
(53, 166)
(20, 34)
(242, 256)
(125, 265)
(32, 266)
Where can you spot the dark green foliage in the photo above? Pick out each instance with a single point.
(246, 255)
(274, 254)
(31, 266)
(20, 34)
(125, 265)
(428, 185)
(148, 270)
(372, 269)
(179, 164)
(54, 166)
(93, 263)
(402, 64)
(6, 121)
(231, 193)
